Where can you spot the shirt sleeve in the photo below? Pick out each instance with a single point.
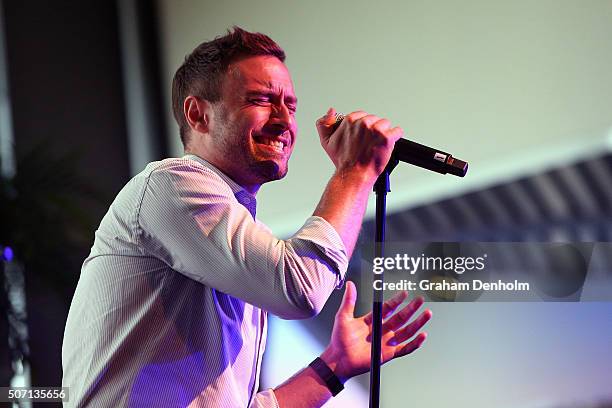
(264, 399)
(189, 218)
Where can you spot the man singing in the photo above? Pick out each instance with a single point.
(172, 302)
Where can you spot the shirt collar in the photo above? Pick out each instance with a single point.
(244, 197)
(233, 185)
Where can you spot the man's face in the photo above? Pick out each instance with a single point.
(254, 127)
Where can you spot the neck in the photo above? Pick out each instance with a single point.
(251, 188)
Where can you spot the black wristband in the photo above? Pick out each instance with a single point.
(327, 375)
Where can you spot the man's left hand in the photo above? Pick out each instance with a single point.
(348, 353)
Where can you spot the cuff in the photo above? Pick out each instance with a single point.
(265, 399)
(321, 233)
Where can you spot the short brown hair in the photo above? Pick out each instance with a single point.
(203, 71)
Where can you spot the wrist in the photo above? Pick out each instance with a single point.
(334, 362)
(356, 178)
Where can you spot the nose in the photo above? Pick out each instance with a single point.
(281, 117)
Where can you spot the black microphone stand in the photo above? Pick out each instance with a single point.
(381, 188)
(422, 156)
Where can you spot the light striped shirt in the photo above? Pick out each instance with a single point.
(171, 305)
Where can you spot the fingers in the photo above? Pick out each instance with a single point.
(410, 347)
(362, 143)
(411, 329)
(347, 307)
(382, 125)
(368, 121)
(396, 133)
(324, 124)
(377, 126)
(389, 306)
(372, 122)
(328, 119)
(355, 116)
(401, 318)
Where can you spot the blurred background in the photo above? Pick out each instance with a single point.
(522, 90)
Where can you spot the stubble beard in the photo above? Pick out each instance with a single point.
(258, 170)
(267, 170)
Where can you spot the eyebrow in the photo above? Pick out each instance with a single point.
(267, 89)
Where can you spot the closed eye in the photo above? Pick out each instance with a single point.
(260, 101)
(265, 100)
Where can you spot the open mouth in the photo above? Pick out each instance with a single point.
(277, 145)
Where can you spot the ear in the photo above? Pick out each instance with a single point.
(198, 113)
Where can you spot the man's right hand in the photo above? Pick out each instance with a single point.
(360, 149)
(362, 144)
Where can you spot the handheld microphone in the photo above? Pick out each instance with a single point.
(422, 156)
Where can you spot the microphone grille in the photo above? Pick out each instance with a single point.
(339, 117)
